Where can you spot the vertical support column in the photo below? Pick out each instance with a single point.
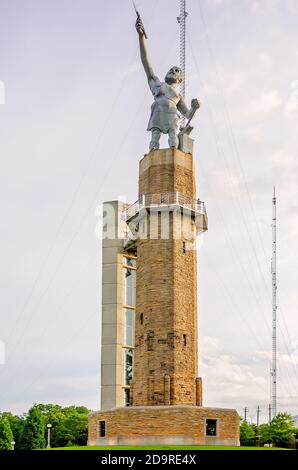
(112, 340)
(167, 392)
(199, 391)
(150, 398)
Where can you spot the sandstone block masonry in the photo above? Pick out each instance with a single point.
(165, 356)
(164, 425)
(166, 394)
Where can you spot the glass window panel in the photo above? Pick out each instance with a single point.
(129, 321)
(130, 287)
(130, 262)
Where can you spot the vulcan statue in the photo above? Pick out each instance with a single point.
(168, 102)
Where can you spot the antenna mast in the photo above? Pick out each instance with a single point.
(182, 22)
(274, 307)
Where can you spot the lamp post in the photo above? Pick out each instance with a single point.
(49, 436)
(12, 445)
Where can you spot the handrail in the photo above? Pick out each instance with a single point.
(166, 199)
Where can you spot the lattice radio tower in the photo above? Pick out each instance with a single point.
(182, 23)
(274, 308)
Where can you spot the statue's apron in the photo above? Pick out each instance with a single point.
(164, 114)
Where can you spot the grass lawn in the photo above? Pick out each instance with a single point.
(165, 448)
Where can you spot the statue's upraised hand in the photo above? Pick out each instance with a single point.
(140, 27)
(195, 104)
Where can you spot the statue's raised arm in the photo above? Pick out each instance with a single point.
(143, 49)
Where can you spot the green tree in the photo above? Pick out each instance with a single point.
(6, 436)
(16, 425)
(280, 431)
(283, 430)
(247, 433)
(69, 425)
(52, 414)
(33, 432)
(265, 433)
(74, 428)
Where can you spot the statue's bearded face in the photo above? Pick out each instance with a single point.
(174, 75)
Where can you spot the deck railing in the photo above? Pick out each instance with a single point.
(165, 199)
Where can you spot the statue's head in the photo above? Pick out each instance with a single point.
(174, 75)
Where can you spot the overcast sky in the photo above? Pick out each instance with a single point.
(73, 129)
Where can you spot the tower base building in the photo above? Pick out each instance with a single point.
(151, 390)
(164, 425)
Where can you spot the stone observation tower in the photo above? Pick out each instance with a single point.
(150, 389)
(165, 361)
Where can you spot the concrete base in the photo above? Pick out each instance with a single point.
(168, 425)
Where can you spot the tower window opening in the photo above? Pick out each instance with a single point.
(102, 428)
(149, 340)
(184, 340)
(127, 397)
(184, 247)
(211, 427)
(141, 319)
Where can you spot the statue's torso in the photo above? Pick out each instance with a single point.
(164, 114)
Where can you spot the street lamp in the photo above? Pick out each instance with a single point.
(12, 445)
(49, 436)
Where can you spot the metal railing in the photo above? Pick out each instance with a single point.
(165, 199)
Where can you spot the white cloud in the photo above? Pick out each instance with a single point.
(223, 80)
(267, 102)
(132, 68)
(261, 7)
(228, 381)
(265, 59)
(289, 358)
(283, 158)
(209, 345)
(2, 352)
(293, 6)
(2, 92)
(215, 2)
(291, 107)
(254, 133)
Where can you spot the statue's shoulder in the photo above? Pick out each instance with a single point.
(154, 80)
(154, 84)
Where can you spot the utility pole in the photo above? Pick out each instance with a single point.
(49, 426)
(274, 308)
(245, 413)
(258, 415)
(269, 408)
(182, 22)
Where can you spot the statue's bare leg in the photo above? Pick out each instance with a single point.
(173, 139)
(154, 144)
